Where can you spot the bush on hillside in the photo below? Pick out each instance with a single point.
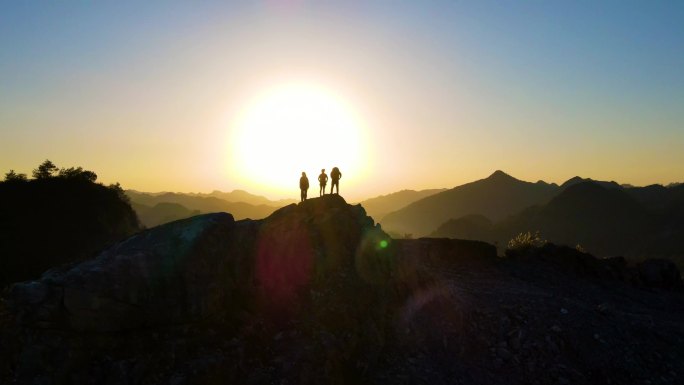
(525, 241)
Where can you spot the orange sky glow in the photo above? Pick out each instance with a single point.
(398, 96)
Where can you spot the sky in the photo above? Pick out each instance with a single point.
(164, 96)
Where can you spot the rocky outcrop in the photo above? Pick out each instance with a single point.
(651, 273)
(317, 293)
(203, 266)
(170, 274)
(660, 273)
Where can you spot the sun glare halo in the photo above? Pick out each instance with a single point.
(295, 128)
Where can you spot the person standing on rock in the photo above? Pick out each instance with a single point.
(335, 175)
(322, 180)
(304, 185)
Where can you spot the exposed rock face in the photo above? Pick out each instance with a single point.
(316, 293)
(660, 273)
(301, 243)
(200, 267)
(316, 263)
(652, 273)
(170, 274)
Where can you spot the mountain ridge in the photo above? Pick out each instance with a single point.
(201, 204)
(607, 221)
(495, 197)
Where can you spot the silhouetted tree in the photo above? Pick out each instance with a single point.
(13, 176)
(45, 170)
(77, 173)
(72, 217)
(120, 192)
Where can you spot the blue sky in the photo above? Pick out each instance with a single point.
(543, 90)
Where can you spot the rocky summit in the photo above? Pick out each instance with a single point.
(318, 293)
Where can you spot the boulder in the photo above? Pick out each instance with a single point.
(659, 273)
(204, 266)
(165, 275)
(307, 242)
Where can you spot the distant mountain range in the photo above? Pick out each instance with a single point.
(495, 197)
(157, 208)
(231, 196)
(380, 206)
(602, 217)
(154, 209)
(160, 213)
(246, 197)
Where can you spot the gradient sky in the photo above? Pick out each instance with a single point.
(145, 93)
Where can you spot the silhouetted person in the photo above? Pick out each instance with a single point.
(304, 185)
(323, 180)
(335, 175)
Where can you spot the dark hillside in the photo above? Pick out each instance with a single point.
(636, 224)
(669, 240)
(473, 227)
(495, 197)
(607, 222)
(49, 222)
(656, 196)
(598, 218)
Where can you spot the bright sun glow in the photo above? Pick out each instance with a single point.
(297, 128)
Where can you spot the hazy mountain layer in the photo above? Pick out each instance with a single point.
(202, 204)
(161, 213)
(246, 197)
(381, 205)
(495, 197)
(635, 222)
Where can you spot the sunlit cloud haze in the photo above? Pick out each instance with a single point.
(153, 94)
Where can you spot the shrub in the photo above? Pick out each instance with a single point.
(12, 176)
(524, 241)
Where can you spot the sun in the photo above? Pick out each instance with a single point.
(296, 128)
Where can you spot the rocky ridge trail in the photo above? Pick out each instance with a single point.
(544, 317)
(317, 293)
